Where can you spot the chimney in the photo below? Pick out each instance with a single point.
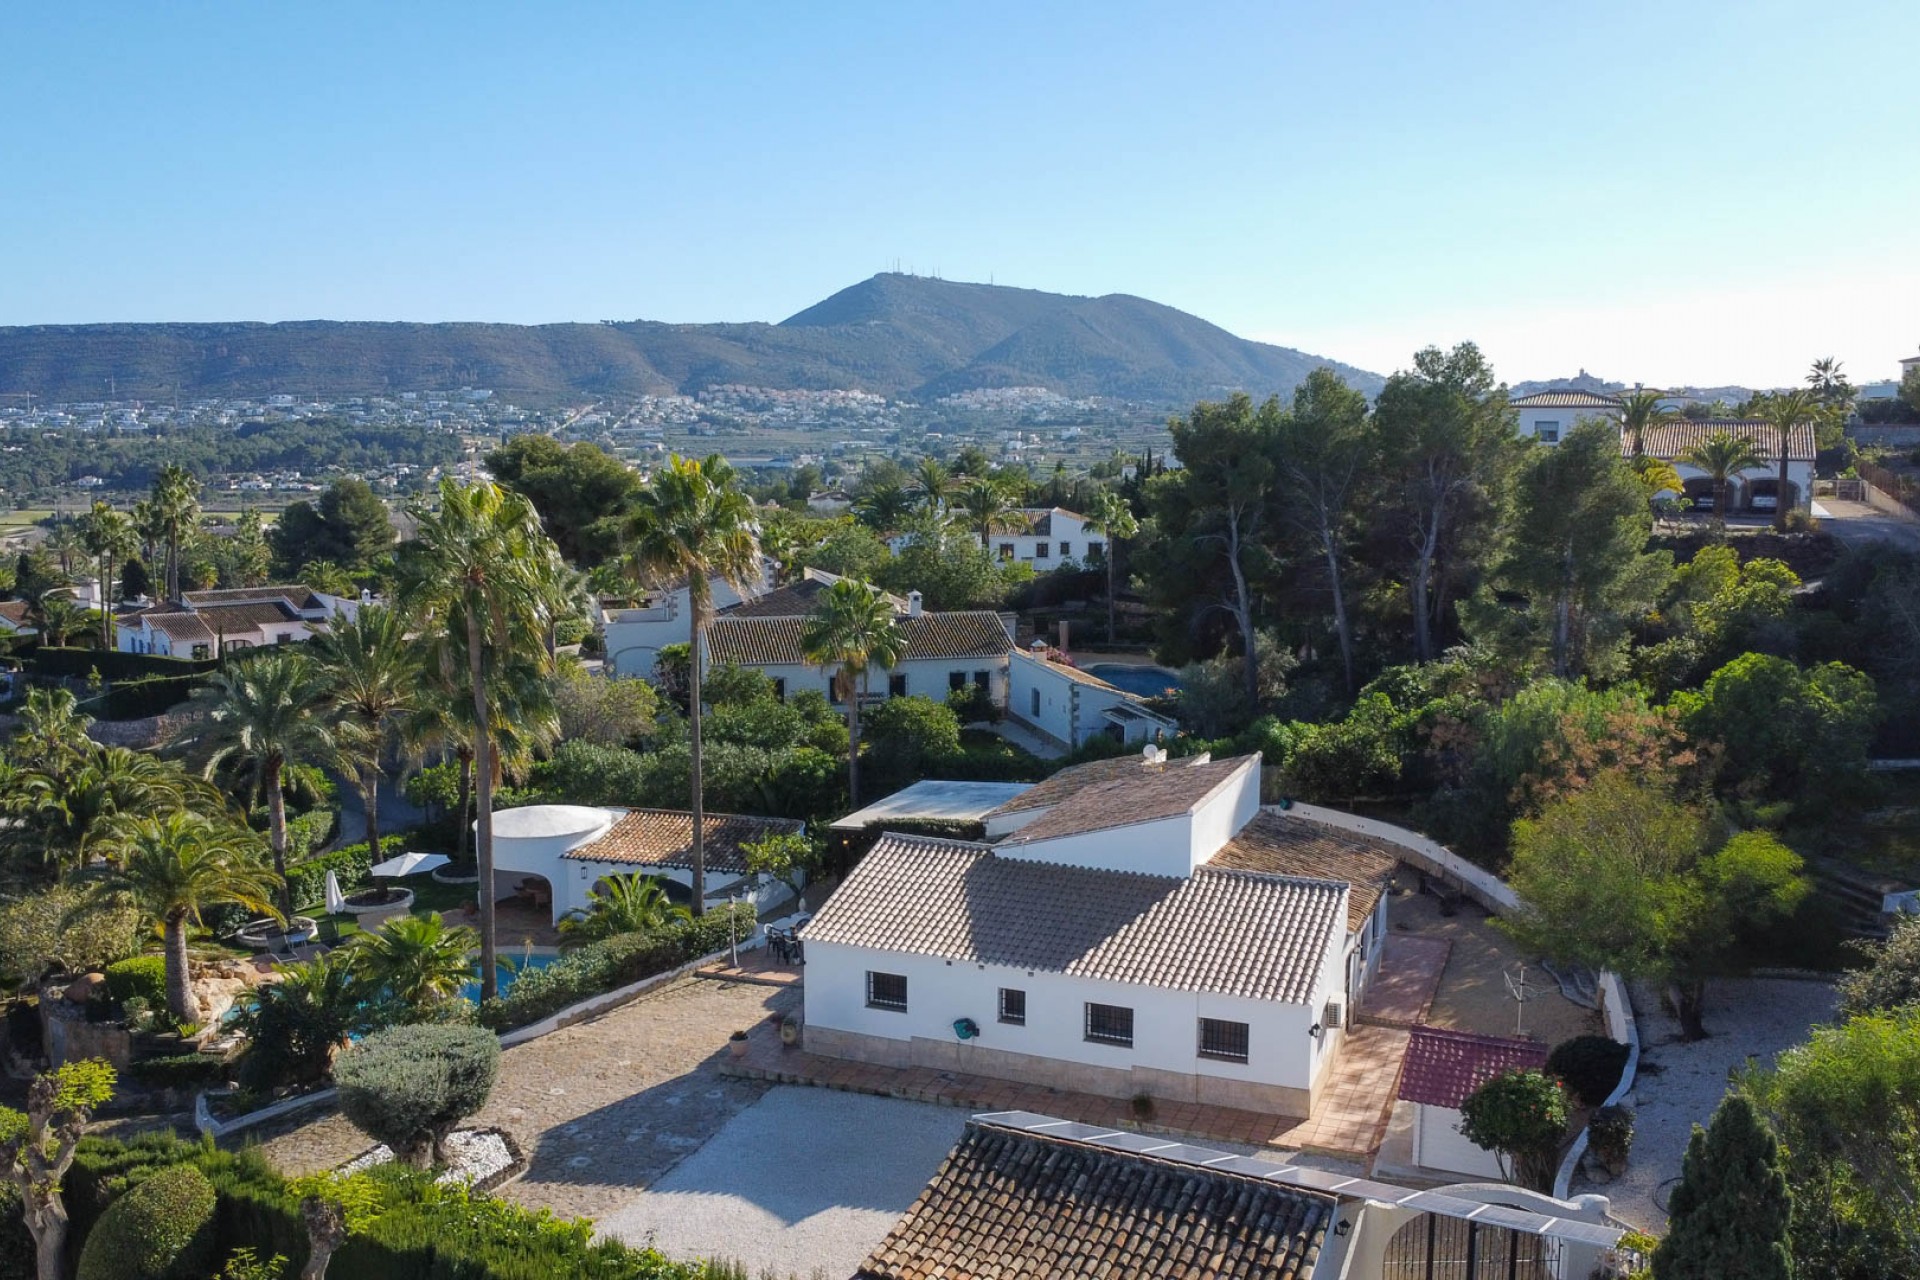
(1064, 647)
(913, 604)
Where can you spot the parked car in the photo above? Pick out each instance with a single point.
(1764, 502)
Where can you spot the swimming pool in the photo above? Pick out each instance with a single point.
(519, 960)
(1148, 682)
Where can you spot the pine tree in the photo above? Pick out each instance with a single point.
(1731, 1210)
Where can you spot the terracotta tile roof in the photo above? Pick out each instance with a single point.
(249, 615)
(795, 600)
(1014, 1204)
(1037, 522)
(1056, 788)
(1443, 1068)
(758, 642)
(1230, 932)
(1279, 844)
(14, 611)
(176, 624)
(664, 838)
(1148, 796)
(1670, 440)
(1566, 399)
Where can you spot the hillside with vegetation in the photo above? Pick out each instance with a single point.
(894, 335)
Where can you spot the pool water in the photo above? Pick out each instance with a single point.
(538, 960)
(1148, 682)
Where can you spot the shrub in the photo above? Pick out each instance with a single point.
(1590, 1066)
(308, 831)
(408, 1086)
(141, 978)
(162, 1229)
(36, 934)
(1522, 1117)
(614, 962)
(179, 1071)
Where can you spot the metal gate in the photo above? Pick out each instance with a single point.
(1433, 1247)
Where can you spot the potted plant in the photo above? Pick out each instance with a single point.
(789, 1031)
(737, 1044)
(1610, 1137)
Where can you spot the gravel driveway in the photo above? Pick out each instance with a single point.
(1748, 1017)
(803, 1182)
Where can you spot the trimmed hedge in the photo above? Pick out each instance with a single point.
(46, 660)
(144, 977)
(178, 1071)
(308, 880)
(421, 1231)
(602, 966)
(162, 1229)
(308, 831)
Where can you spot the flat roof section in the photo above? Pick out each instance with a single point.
(933, 800)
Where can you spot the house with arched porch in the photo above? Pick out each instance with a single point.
(1754, 490)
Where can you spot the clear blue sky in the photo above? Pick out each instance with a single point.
(1658, 191)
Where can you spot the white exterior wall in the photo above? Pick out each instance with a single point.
(1439, 1145)
(1799, 473)
(926, 677)
(1026, 546)
(1563, 420)
(1067, 710)
(634, 637)
(1165, 1023)
(1159, 848)
(573, 890)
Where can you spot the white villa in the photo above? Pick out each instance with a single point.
(1128, 926)
(1053, 697)
(635, 632)
(1046, 537)
(574, 847)
(1750, 490)
(204, 624)
(1548, 415)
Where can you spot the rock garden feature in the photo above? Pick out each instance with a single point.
(480, 1158)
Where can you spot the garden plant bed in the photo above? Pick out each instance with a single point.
(482, 1159)
(270, 935)
(453, 873)
(378, 899)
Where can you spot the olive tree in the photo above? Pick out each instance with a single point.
(37, 1146)
(409, 1086)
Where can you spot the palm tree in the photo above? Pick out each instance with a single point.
(62, 818)
(988, 504)
(883, 507)
(1639, 410)
(850, 631)
(1112, 516)
(264, 716)
(1723, 455)
(1829, 384)
(1783, 412)
(416, 960)
(623, 904)
(58, 615)
(175, 510)
(176, 865)
(475, 576)
(372, 678)
(694, 524)
(934, 482)
(52, 736)
(109, 536)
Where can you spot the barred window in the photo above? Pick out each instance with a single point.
(887, 991)
(1110, 1024)
(1225, 1041)
(1013, 1006)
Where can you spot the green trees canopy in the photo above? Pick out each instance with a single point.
(349, 527)
(1621, 876)
(1779, 731)
(409, 1086)
(1521, 1116)
(579, 491)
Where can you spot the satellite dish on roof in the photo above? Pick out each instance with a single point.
(1152, 753)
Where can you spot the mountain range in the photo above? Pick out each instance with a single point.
(897, 335)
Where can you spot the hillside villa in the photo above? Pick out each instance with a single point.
(205, 624)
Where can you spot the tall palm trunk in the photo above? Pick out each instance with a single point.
(1780, 487)
(466, 804)
(179, 976)
(1112, 555)
(853, 737)
(483, 800)
(699, 610)
(277, 829)
(370, 800)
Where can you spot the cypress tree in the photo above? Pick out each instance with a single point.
(1731, 1210)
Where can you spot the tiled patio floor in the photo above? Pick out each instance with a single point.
(1409, 975)
(757, 966)
(1351, 1122)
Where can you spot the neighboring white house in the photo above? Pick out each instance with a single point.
(635, 632)
(1547, 416)
(1059, 700)
(1045, 537)
(202, 624)
(14, 619)
(945, 651)
(1750, 490)
(574, 847)
(1442, 1069)
(1123, 936)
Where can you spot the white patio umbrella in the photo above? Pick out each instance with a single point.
(336, 900)
(408, 864)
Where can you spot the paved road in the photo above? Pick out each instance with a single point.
(1857, 524)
